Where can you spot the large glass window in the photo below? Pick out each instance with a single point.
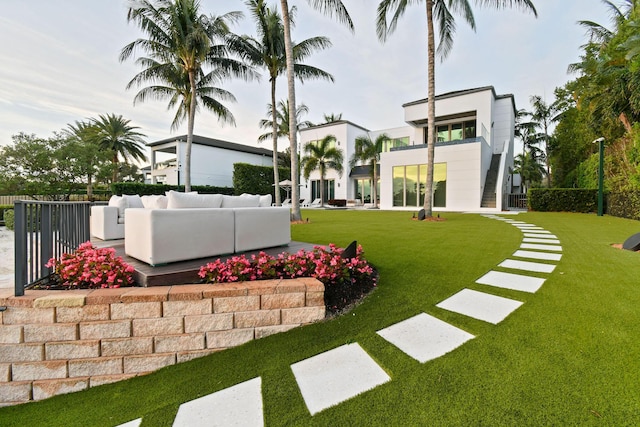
(409, 184)
(456, 131)
(329, 189)
(395, 143)
(398, 186)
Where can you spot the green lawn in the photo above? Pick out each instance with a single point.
(569, 356)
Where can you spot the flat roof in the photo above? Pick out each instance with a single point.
(465, 92)
(337, 122)
(217, 143)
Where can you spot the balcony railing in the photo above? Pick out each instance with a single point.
(441, 144)
(44, 230)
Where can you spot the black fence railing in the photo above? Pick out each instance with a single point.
(515, 201)
(44, 230)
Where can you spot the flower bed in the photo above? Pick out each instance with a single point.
(89, 267)
(345, 279)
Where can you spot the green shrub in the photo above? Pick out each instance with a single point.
(563, 200)
(141, 189)
(3, 208)
(624, 205)
(9, 219)
(253, 179)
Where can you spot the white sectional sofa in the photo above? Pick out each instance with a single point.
(202, 225)
(107, 222)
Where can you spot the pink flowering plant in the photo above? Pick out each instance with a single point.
(90, 267)
(345, 279)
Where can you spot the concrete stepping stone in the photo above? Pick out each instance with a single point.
(240, 405)
(425, 337)
(516, 282)
(540, 236)
(537, 231)
(337, 375)
(132, 423)
(538, 255)
(480, 305)
(529, 227)
(538, 247)
(536, 267)
(538, 240)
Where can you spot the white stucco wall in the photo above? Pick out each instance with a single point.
(345, 134)
(463, 174)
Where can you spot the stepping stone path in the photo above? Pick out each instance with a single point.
(332, 377)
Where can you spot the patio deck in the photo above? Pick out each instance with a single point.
(183, 272)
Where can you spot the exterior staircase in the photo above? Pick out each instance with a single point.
(489, 194)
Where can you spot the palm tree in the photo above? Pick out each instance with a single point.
(180, 37)
(83, 134)
(367, 150)
(530, 169)
(329, 7)
(442, 12)
(282, 120)
(267, 51)
(330, 118)
(543, 115)
(115, 135)
(322, 155)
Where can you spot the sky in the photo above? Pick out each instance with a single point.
(60, 63)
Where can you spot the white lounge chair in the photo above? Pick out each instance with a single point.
(286, 202)
(305, 203)
(316, 203)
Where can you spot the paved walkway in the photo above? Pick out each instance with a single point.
(328, 379)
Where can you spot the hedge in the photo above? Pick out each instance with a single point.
(8, 217)
(253, 179)
(624, 205)
(563, 200)
(141, 189)
(4, 208)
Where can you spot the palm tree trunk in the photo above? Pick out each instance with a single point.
(114, 173)
(90, 187)
(190, 124)
(321, 185)
(293, 125)
(274, 117)
(374, 185)
(431, 113)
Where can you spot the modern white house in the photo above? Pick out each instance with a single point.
(212, 160)
(473, 155)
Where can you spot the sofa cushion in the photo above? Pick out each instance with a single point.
(120, 203)
(243, 201)
(265, 201)
(155, 202)
(186, 200)
(133, 201)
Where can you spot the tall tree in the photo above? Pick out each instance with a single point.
(82, 142)
(282, 120)
(322, 155)
(543, 116)
(331, 8)
(117, 136)
(442, 12)
(268, 51)
(180, 36)
(368, 151)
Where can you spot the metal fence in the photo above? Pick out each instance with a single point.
(515, 201)
(44, 230)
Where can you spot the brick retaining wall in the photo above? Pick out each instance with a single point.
(54, 342)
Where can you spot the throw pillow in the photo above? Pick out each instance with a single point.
(185, 201)
(120, 203)
(243, 201)
(133, 201)
(154, 202)
(265, 201)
